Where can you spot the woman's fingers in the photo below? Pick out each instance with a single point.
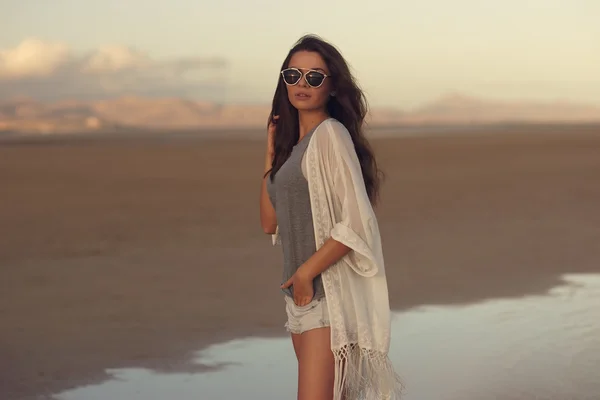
(302, 301)
(287, 284)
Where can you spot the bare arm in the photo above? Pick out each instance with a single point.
(268, 219)
(328, 254)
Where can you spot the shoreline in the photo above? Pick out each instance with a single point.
(381, 131)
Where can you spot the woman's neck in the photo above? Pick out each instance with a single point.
(309, 119)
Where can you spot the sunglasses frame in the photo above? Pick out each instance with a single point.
(303, 75)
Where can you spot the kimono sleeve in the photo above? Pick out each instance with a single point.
(355, 223)
(275, 238)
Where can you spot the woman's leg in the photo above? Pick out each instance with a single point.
(297, 342)
(316, 366)
(309, 328)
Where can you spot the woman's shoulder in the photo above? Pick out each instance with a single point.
(331, 138)
(331, 129)
(336, 124)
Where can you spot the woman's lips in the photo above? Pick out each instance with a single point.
(302, 96)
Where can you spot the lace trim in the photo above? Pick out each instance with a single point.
(367, 374)
(322, 227)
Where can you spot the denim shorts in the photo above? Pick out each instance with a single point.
(304, 318)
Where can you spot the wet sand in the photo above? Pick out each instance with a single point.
(532, 347)
(135, 253)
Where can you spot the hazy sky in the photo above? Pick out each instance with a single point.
(404, 53)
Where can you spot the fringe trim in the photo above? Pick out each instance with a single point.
(363, 374)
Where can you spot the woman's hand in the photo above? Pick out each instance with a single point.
(303, 288)
(271, 136)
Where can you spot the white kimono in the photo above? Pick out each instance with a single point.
(355, 287)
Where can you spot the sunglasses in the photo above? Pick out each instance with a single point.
(291, 76)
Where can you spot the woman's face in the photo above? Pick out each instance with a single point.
(302, 96)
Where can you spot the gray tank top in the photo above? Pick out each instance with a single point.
(290, 197)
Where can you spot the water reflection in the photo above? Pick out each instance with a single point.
(538, 347)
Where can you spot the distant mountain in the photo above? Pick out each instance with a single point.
(26, 115)
(460, 109)
(67, 116)
(126, 113)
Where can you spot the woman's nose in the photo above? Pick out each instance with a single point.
(302, 82)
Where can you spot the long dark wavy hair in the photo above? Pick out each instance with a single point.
(349, 106)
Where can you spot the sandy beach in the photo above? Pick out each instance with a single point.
(122, 253)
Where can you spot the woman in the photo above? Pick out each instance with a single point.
(321, 180)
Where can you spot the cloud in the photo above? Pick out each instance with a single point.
(113, 59)
(32, 58)
(48, 71)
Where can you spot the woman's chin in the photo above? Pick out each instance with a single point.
(305, 106)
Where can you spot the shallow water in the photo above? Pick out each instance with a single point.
(535, 347)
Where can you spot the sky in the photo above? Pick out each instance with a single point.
(403, 53)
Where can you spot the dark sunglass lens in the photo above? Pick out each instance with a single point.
(315, 78)
(291, 76)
